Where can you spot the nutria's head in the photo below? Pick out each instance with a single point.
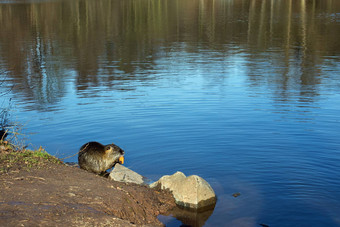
(114, 152)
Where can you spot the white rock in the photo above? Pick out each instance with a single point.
(192, 192)
(122, 174)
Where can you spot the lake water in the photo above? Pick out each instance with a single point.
(245, 93)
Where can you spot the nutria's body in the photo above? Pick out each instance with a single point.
(97, 158)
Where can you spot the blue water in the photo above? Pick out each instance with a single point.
(259, 120)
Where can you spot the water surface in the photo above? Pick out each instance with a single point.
(243, 93)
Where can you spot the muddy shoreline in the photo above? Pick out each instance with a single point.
(49, 193)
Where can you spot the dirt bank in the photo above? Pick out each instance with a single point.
(44, 192)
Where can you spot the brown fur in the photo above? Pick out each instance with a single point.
(97, 158)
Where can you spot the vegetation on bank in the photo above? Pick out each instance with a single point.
(12, 159)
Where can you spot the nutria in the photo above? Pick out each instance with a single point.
(97, 158)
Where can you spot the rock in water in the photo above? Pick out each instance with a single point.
(123, 174)
(191, 192)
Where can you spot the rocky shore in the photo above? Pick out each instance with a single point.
(37, 189)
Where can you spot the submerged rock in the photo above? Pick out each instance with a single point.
(122, 174)
(236, 194)
(191, 192)
(192, 217)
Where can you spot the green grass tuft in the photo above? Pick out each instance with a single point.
(19, 159)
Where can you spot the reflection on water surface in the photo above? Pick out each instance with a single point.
(244, 93)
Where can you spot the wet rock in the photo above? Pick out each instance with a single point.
(237, 194)
(191, 192)
(188, 217)
(122, 174)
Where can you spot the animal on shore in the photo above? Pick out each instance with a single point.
(97, 158)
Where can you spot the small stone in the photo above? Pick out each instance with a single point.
(236, 194)
(122, 174)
